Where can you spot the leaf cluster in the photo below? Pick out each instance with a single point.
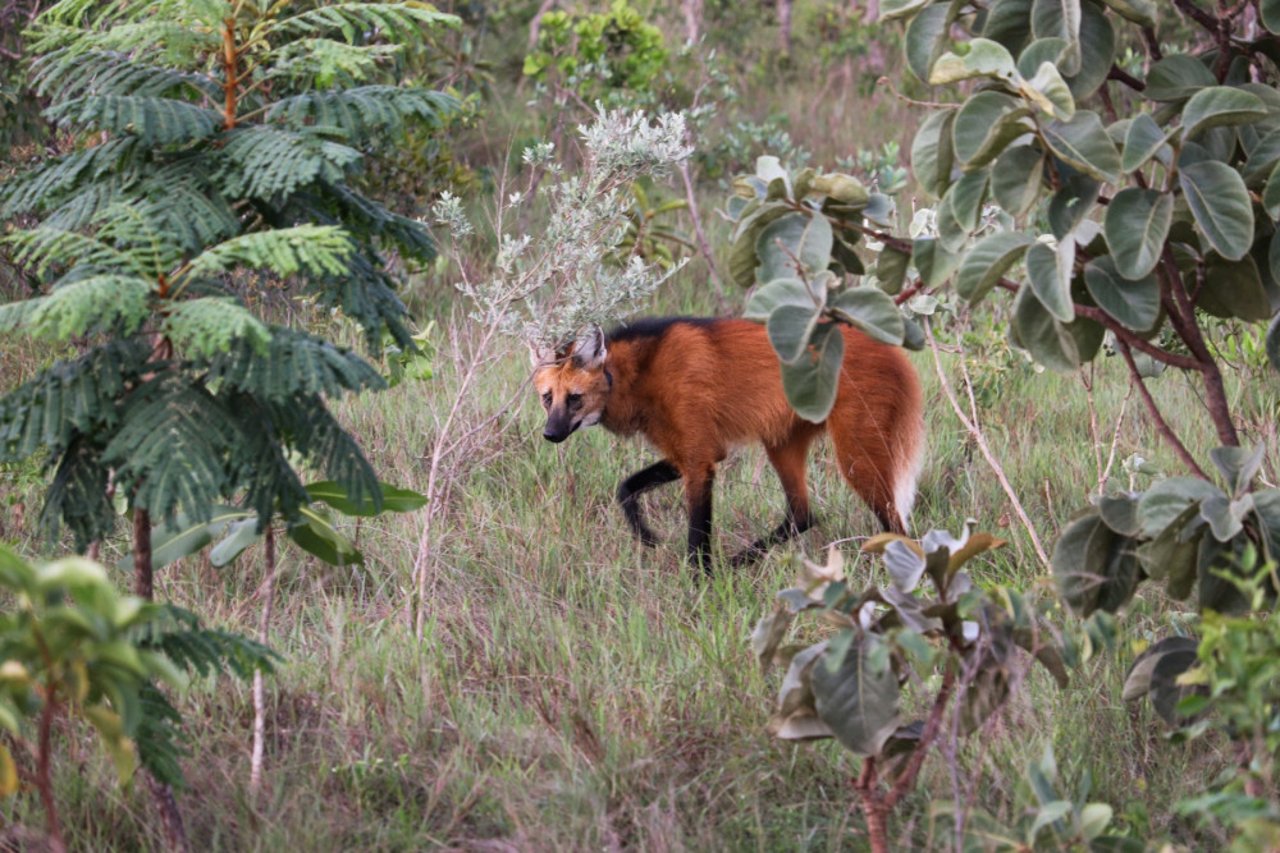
(73, 646)
(211, 153)
(1188, 533)
(930, 619)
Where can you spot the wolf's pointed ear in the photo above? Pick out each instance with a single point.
(540, 354)
(589, 351)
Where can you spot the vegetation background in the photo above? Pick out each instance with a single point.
(567, 689)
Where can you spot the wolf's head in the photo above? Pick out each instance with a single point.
(573, 384)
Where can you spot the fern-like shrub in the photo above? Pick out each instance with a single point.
(216, 146)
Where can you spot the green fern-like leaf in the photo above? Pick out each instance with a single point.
(159, 738)
(41, 248)
(69, 397)
(317, 249)
(306, 424)
(49, 182)
(100, 303)
(363, 112)
(366, 218)
(78, 496)
(395, 21)
(168, 30)
(65, 75)
(171, 450)
(178, 634)
(320, 63)
(155, 121)
(202, 328)
(265, 161)
(294, 363)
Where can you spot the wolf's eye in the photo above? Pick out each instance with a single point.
(546, 400)
(574, 400)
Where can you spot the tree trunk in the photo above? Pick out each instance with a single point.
(143, 581)
(259, 688)
(175, 834)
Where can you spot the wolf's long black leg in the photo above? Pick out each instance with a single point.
(697, 485)
(657, 474)
(793, 525)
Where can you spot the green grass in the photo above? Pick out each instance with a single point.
(574, 691)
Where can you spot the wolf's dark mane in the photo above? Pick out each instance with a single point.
(655, 327)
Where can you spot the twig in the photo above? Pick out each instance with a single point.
(975, 432)
(704, 247)
(1162, 426)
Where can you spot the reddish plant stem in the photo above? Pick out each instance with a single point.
(44, 750)
(1104, 319)
(230, 88)
(1189, 330)
(1162, 426)
(907, 777)
(1120, 75)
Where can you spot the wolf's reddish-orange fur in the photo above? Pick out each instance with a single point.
(697, 388)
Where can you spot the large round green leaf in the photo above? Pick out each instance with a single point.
(1008, 22)
(1142, 140)
(931, 152)
(1049, 274)
(1135, 304)
(1074, 201)
(742, 256)
(934, 263)
(988, 261)
(795, 237)
(1049, 92)
(891, 269)
(1059, 19)
(1141, 12)
(1167, 499)
(1271, 195)
(987, 123)
(871, 310)
(982, 58)
(1083, 143)
(1270, 15)
(857, 699)
(1177, 77)
(1220, 203)
(1233, 289)
(1016, 177)
(1079, 562)
(811, 383)
(1097, 52)
(964, 199)
(1039, 332)
(1136, 225)
(1220, 105)
(790, 327)
(925, 38)
(772, 295)
(890, 9)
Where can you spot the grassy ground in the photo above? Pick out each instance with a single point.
(574, 691)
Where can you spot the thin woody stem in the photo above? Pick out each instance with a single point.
(1162, 426)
